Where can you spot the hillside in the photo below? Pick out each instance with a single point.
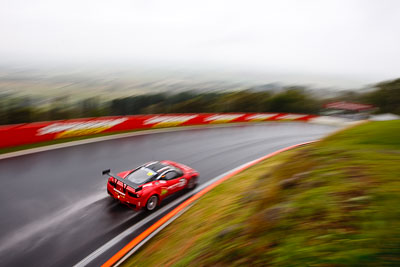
(333, 203)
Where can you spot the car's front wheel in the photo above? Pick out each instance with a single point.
(192, 183)
(152, 203)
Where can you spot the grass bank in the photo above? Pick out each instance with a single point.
(332, 203)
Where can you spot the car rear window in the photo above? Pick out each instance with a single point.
(141, 175)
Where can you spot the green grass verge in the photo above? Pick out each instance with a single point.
(333, 203)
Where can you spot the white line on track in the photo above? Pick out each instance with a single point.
(88, 259)
(144, 241)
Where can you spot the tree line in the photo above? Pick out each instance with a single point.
(386, 97)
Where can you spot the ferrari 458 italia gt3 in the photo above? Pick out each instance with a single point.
(147, 185)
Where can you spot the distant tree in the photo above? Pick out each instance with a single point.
(20, 115)
(180, 97)
(135, 104)
(194, 105)
(386, 97)
(18, 110)
(89, 107)
(242, 101)
(293, 100)
(349, 96)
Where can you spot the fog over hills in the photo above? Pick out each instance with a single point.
(119, 48)
(78, 82)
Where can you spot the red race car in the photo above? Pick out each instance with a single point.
(147, 185)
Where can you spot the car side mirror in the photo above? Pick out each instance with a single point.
(161, 178)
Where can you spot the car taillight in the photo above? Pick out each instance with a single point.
(133, 194)
(112, 183)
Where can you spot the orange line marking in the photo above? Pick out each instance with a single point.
(132, 244)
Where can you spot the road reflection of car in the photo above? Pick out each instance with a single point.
(147, 185)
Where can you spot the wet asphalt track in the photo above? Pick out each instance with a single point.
(54, 206)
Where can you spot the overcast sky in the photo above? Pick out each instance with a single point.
(348, 38)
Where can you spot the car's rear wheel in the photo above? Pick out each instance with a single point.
(192, 183)
(152, 203)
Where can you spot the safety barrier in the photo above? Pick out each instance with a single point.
(28, 133)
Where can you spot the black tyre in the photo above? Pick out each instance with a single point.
(152, 203)
(192, 183)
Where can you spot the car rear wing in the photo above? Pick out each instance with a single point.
(125, 182)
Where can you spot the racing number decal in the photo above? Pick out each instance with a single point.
(164, 191)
